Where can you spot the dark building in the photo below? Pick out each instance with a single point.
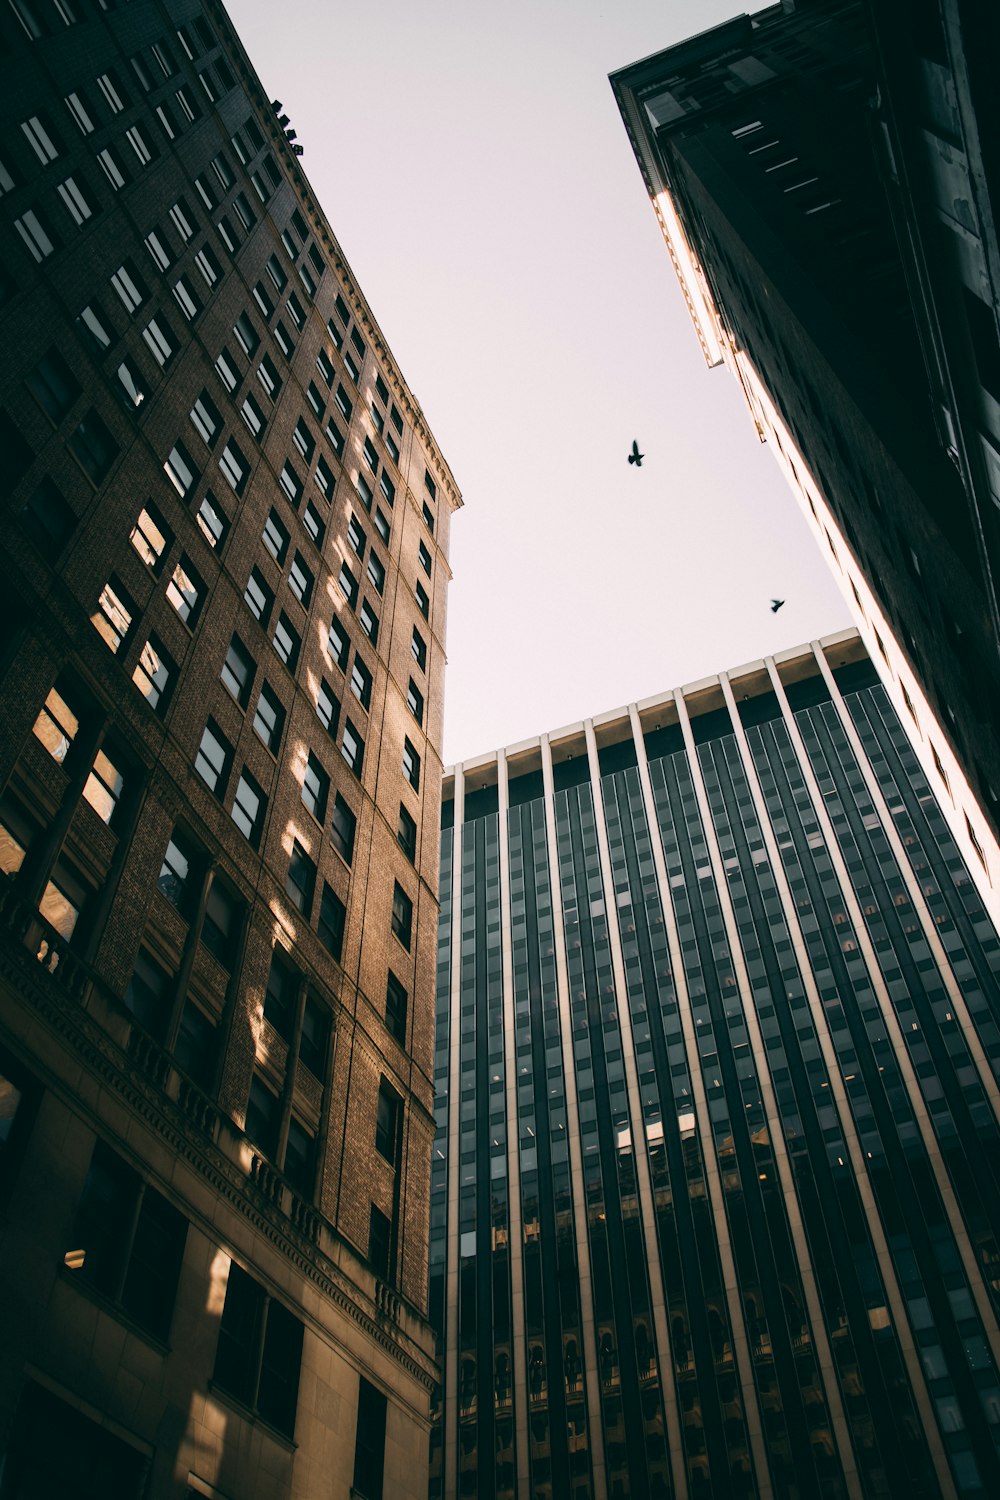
(224, 523)
(825, 174)
(716, 1186)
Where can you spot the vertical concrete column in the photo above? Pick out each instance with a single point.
(595, 1417)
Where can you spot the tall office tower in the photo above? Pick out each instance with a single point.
(225, 530)
(716, 1187)
(825, 175)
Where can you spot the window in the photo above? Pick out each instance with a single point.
(352, 748)
(392, 445)
(300, 580)
(133, 1241)
(179, 873)
(291, 484)
(180, 469)
(406, 834)
(155, 674)
(327, 708)
(275, 537)
(129, 285)
(53, 386)
(259, 1353)
(263, 300)
(418, 646)
(207, 418)
(402, 915)
(336, 437)
(38, 238)
(92, 322)
(348, 585)
(228, 371)
(315, 400)
(387, 1122)
(104, 785)
(300, 1159)
(324, 478)
(281, 997)
(93, 447)
(382, 525)
(185, 592)
(371, 456)
(369, 622)
(296, 311)
(78, 108)
(267, 374)
(75, 201)
(388, 489)
(208, 264)
(244, 212)
(341, 309)
(332, 921)
(39, 134)
(64, 899)
(238, 671)
(343, 829)
(133, 389)
(48, 517)
(234, 466)
(376, 571)
(429, 484)
(423, 600)
(160, 341)
(213, 521)
(183, 220)
(111, 168)
(301, 879)
(114, 614)
(269, 720)
(381, 390)
(148, 994)
(315, 528)
(223, 922)
(361, 682)
(276, 271)
(364, 490)
(351, 366)
(249, 808)
(395, 1008)
(304, 440)
(369, 1442)
(284, 339)
(258, 597)
(57, 724)
(356, 536)
(150, 537)
(213, 758)
(428, 517)
(315, 787)
(287, 641)
(116, 96)
(247, 334)
(378, 420)
(339, 644)
(411, 765)
(314, 1039)
(325, 367)
(415, 701)
(380, 1243)
(344, 402)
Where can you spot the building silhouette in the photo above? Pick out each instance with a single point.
(714, 1202)
(825, 175)
(225, 530)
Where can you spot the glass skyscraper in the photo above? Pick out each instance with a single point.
(715, 1185)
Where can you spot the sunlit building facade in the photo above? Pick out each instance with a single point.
(825, 176)
(716, 1183)
(224, 523)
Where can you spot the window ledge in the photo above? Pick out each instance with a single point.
(254, 1418)
(114, 1310)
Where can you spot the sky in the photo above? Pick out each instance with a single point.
(475, 169)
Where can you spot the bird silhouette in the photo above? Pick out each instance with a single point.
(776, 605)
(635, 457)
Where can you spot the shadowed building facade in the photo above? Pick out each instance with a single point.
(825, 175)
(225, 525)
(716, 1187)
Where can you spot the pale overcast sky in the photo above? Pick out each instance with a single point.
(473, 165)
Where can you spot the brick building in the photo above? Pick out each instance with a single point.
(225, 528)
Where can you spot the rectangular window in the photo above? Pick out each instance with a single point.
(388, 489)
(296, 311)
(343, 829)
(269, 720)
(155, 674)
(238, 671)
(324, 478)
(336, 437)
(339, 644)
(258, 597)
(213, 521)
(300, 580)
(287, 642)
(259, 1353)
(381, 390)
(93, 324)
(104, 786)
(423, 600)
(382, 525)
(132, 388)
(315, 400)
(356, 536)
(112, 168)
(80, 111)
(57, 724)
(371, 457)
(428, 517)
(344, 402)
(411, 764)
(208, 264)
(301, 880)
(183, 220)
(351, 366)
(291, 484)
(304, 440)
(418, 646)
(352, 748)
(75, 201)
(234, 465)
(315, 787)
(130, 286)
(415, 701)
(185, 592)
(314, 1039)
(53, 385)
(402, 916)
(133, 1242)
(327, 708)
(40, 134)
(249, 808)
(369, 621)
(315, 528)
(214, 758)
(429, 484)
(325, 367)
(160, 341)
(332, 921)
(115, 95)
(280, 997)
(406, 834)
(395, 1008)
(187, 298)
(263, 300)
(284, 339)
(247, 334)
(376, 571)
(369, 1442)
(207, 419)
(159, 249)
(361, 682)
(228, 371)
(143, 150)
(224, 914)
(392, 445)
(275, 537)
(348, 585)
(113, 615)
(180, 871)
(244, 212)
(180, 469)
(424, 558)
(93, 447)
(380, 1243)
(388, 1118)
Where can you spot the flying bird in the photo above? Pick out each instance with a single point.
(776, 605)
(635, 457)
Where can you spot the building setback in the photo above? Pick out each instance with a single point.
(825, 176)
(716, 1187)
(224, 523)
